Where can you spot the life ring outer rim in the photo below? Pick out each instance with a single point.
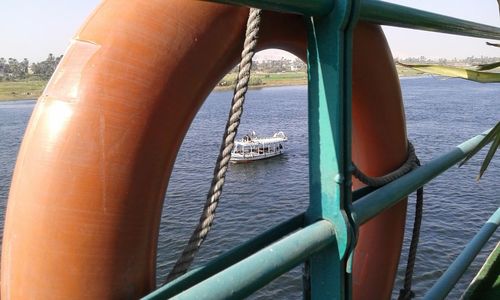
(85, 201)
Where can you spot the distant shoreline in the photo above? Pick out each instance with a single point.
(21, 90)
(32, 90)
(260, 86)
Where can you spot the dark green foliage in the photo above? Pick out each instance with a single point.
(14, 70)
(45, 68)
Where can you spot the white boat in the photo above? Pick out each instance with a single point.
(251, 147)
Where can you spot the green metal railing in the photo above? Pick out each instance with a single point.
(325, 233)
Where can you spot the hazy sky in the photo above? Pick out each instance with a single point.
(406, 42)
(34, 28)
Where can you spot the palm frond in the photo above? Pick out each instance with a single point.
(478, 76)
(489, 156)
(485, 67)
(492, 136)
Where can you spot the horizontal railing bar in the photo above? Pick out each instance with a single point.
(308, 8)
(401, 16)
(448, 280)
(252, 273)
(374, 203)
(383, 13)
(227, 259)
(360, 193)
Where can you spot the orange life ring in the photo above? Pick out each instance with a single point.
(88, 188)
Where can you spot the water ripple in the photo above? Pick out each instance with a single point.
(440, 114)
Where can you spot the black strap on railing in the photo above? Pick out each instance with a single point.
(411, 163)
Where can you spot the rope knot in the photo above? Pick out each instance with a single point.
(411, 163)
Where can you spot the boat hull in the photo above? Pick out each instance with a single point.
(247, 159)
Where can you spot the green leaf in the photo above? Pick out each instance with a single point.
(488, 66)
(489, 156)
(493, 135)
(483, 77)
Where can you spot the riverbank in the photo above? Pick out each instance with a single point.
(32, 89)
(260, 80)
(17, 90)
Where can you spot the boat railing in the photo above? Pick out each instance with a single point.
(326, 237)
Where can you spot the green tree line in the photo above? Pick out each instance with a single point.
(13, 70)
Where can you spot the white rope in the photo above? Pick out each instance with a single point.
(208, 214)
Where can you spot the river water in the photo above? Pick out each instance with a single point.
(440, 114)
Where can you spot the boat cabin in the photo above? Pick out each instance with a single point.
(251, 147)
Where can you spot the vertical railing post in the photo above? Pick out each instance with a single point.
(329, 68)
